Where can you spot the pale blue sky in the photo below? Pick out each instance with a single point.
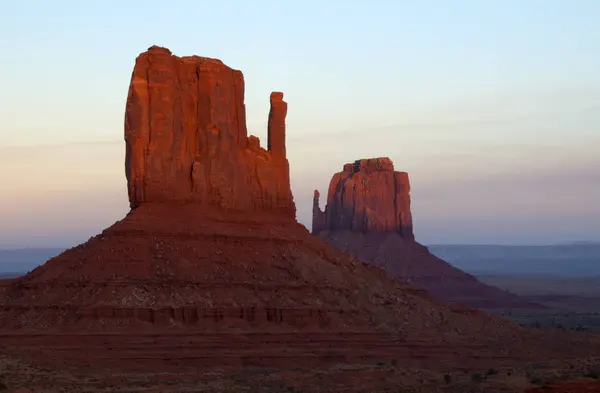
(493, 107)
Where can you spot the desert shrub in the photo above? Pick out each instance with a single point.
(592, 373)
(477, 376)
(536, 380)
(564, 377)
(492, 371)
(408, 389)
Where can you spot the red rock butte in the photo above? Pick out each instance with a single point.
(368, 215)
(367, 196)
(187, 141)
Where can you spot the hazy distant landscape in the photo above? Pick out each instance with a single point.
(20, 261)
(563, 277)
(529, 270)
(574, 260)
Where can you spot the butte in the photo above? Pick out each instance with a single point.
(368, 215)
(211, 269)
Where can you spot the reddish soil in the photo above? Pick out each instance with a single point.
(580, 386)
(170, 295)
(413, 263)
(179, 265)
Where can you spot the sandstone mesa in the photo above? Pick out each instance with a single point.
(368, 215)
(187, 141)
(367, 196)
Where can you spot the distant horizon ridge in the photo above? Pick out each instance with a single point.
(572, 243)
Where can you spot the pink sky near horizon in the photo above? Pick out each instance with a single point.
(493, 108)
(62, 194)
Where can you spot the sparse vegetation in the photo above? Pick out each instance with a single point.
(566, 322)
(536, 380)
(592, 373)
(477, 377)
(408, 390)
(492, 371)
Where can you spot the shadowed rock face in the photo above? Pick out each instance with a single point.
(367, 196)
(186, 138)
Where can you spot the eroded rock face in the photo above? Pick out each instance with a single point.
(368, 216)
(367, 196)
(186, 138)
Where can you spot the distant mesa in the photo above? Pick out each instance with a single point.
(367, 196)
(368, 215)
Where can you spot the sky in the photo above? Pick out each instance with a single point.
(492, 107)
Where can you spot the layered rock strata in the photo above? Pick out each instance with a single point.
(367, 196)
(187, 141)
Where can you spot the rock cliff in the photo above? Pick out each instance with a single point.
(367, 196)
(186, 138)
(368, 215)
